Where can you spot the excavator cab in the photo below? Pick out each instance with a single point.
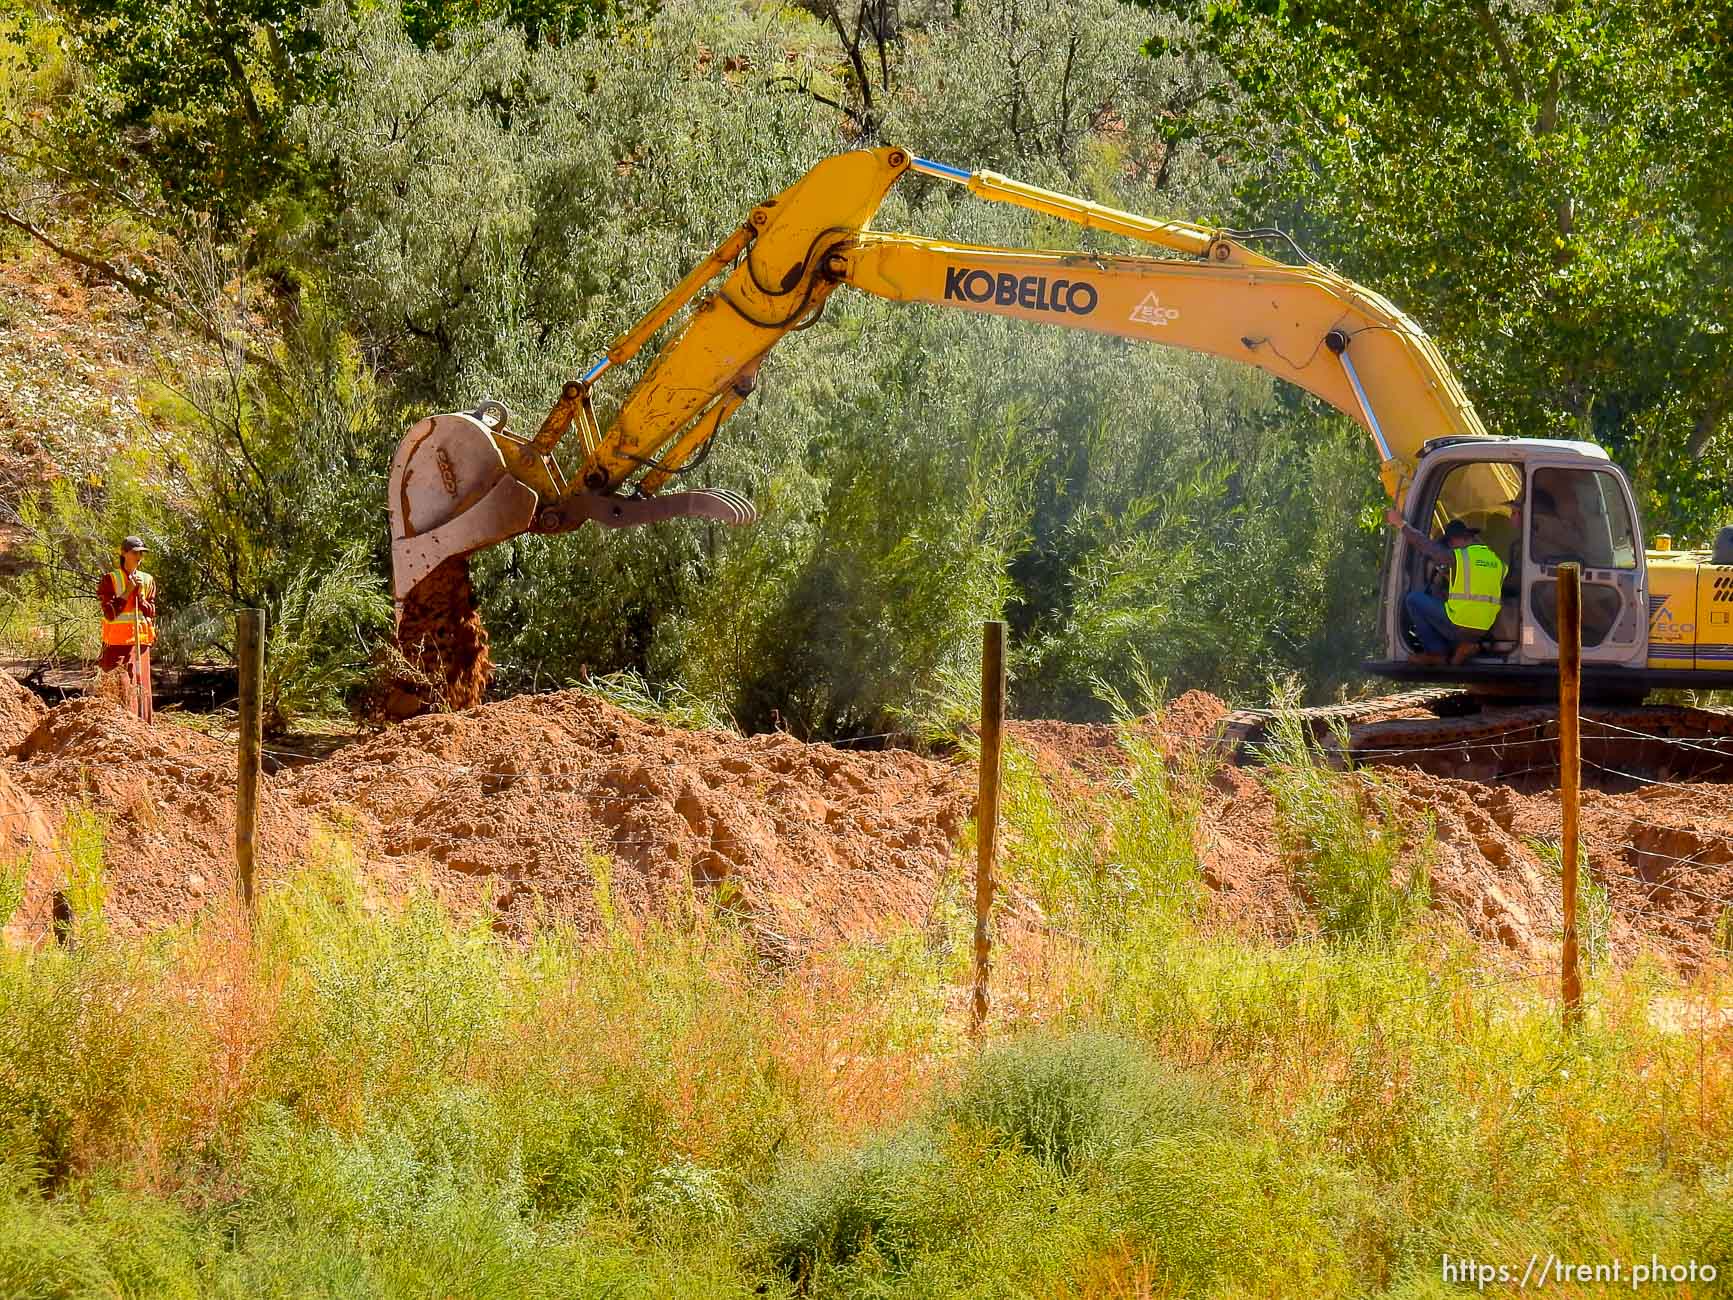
(1537, 504)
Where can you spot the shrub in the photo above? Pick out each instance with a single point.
(372, 1005)
(573, 1150)
(322, 628)
(1068, 1100)
(93, 1059)
(1212, 1209)
(105, 1243)
(1708, 1229)
(823, 1213)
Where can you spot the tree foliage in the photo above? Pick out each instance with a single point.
(187, 104)
(1543, 185)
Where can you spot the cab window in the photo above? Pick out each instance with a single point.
(1480, 494)
(1579, 515)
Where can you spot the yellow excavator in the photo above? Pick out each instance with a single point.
(1652, 617)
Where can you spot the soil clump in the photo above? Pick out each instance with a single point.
(440, 634)
(20, 713)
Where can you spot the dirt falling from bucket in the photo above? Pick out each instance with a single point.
(441, 635)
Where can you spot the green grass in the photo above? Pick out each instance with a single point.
(673, 706)
(1364, 868)
(386, 1099)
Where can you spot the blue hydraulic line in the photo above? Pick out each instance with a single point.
(596, 368)
(927, 167)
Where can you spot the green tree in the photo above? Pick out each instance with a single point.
(551, 21)
(1545, 186)
(184, 106)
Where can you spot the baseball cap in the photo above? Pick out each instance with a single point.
(133, 543)
(1456, 528)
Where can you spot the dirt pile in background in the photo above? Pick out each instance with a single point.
(166, 798)
(531, 803)
(558, 802)
(20, 713)
(1662, 854)
(535, 793)
(441, 635)
(1066, 751)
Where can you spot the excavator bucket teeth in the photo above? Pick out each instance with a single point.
(718, 504)
(450, 494)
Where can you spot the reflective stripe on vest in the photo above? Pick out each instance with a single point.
(129, 627)
(1474, 588)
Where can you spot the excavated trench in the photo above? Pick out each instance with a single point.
(1624, 749)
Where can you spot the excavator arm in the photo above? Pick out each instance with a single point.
(463, 481)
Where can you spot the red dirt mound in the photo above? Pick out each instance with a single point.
(536, 801)
(20, 713)
(1663, 855)
(806, 841)
(1086, 753)
(1193, 717)
(166, 796)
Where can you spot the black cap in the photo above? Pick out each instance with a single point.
(1456, 528)
(133, 544)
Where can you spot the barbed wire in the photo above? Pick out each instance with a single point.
(1647, 781)
(1709, 744)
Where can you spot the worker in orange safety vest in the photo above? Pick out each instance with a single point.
(128, 596)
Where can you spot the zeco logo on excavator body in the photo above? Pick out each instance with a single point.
(1661, 624)
(1032, 292)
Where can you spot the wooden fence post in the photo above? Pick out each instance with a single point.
(250, 655)
(987, 807)
(1570, 663)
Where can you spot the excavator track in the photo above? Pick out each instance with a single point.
(1246, 731)
(1455, 733)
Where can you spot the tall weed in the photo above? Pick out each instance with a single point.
(1363, 868)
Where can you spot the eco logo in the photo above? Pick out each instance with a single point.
(1661, 624)
(1151, 312)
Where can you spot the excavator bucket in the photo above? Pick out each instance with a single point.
(451, 493)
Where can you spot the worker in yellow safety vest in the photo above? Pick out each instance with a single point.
(1453, 628)
(128, 597)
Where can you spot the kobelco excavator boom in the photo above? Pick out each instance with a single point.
(464, 481)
